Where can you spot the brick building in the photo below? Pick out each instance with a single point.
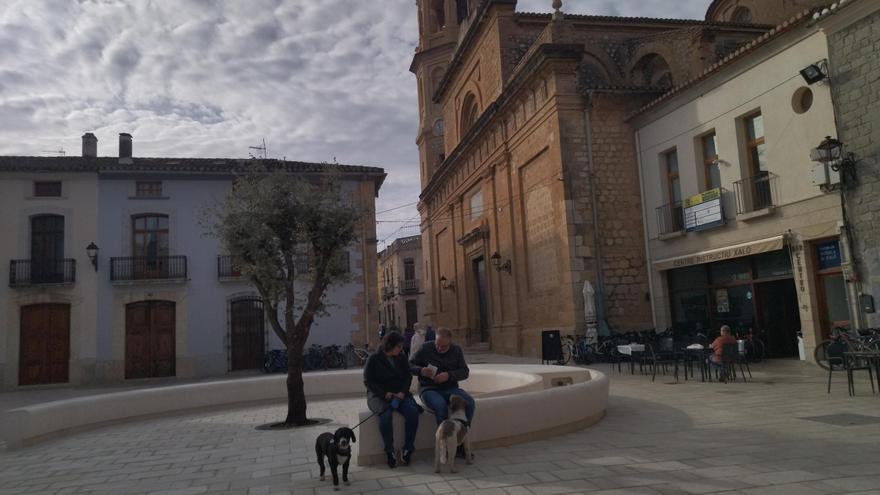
(529, 178)
(853, 32)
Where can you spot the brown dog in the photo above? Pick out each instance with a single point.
(450, 434)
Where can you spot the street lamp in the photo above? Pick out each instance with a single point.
(92, 252)
(496, 262)
(447, 284)
(831, 152)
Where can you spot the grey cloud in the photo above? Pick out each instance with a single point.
(317, 79)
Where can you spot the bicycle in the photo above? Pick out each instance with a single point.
(313, 359)
(333, 358)
(856, 343)
(355, 356)
(276, 361)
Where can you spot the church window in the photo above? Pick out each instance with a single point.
(742, 15)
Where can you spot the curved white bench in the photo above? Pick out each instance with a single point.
(31, 424)
(549, 400)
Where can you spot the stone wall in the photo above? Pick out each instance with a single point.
(855, 76)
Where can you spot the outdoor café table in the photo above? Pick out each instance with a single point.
(633, 351)
(872, 358)
(699, 353)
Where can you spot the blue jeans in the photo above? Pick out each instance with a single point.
(410, 411)
(438, 401)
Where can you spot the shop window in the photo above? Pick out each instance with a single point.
(475, 204)
(691, 310)
(730, 271)
(688, 278)
(775, 264)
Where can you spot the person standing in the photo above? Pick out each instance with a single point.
(418, 339)
(440, 366)
(430, 335)
(388, 377)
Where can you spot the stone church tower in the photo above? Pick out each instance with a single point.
(530, 189)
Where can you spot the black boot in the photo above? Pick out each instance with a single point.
(406, 457)
(459, 452)
(392, 460)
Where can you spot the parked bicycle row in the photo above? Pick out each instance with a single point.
(318, 358)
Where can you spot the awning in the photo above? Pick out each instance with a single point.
(736, 251)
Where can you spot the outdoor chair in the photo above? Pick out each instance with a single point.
(857, 363)
(834, 352)
(743, 359)
(657, 359)
(729, 360)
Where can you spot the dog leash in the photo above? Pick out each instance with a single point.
(370, 416)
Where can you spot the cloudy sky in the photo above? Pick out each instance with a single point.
(318, 79)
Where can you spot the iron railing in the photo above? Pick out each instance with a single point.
(227, 266)
(148, 268)
(755, 193)
(670, 218)
(409, 286)
(23, 273)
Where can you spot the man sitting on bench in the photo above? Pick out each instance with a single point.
(440, 366)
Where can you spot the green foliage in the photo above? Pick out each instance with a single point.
(288, 234)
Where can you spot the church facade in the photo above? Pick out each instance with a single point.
(530, 184)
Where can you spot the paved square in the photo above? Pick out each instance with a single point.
(656, 439)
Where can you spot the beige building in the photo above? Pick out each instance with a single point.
(530, 185)
(401, 290)
(743, 227)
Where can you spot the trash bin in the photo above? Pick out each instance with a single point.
(551, 346)
(801, 353)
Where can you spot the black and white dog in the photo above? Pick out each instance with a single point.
(337, 448)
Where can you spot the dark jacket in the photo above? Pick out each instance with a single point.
(451, 361)
(381, 376)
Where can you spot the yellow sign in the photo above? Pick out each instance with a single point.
(705, 197)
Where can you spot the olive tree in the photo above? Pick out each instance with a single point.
(268, 222)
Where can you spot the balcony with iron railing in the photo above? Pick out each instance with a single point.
(148, 268)
(670, 219)
(27, 273)
(756, 196)
(409, 286)
(228, 267)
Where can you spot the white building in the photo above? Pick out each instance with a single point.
(161, 299)
(742, 227)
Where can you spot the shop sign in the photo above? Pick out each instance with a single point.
(703, 211)
(828, 254)
(738, 251)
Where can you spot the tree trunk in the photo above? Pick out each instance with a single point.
(296, 397)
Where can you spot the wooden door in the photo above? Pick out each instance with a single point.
(248, 334)
(45, 344)
(150, 339)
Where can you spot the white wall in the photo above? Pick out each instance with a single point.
(99, 210)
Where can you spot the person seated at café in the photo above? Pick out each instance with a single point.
(718, 344)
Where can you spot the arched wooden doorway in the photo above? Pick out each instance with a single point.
(150, 339)
(247, 334)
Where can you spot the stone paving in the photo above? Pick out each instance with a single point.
(657, 438)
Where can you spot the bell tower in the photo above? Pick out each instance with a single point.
(438, 36)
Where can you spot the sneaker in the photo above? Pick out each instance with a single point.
(392, 461)
(407, 457)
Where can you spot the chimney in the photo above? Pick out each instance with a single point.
(124, 146)
(90, 145)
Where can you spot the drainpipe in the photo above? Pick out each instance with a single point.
(594, 205)
(648, 266)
